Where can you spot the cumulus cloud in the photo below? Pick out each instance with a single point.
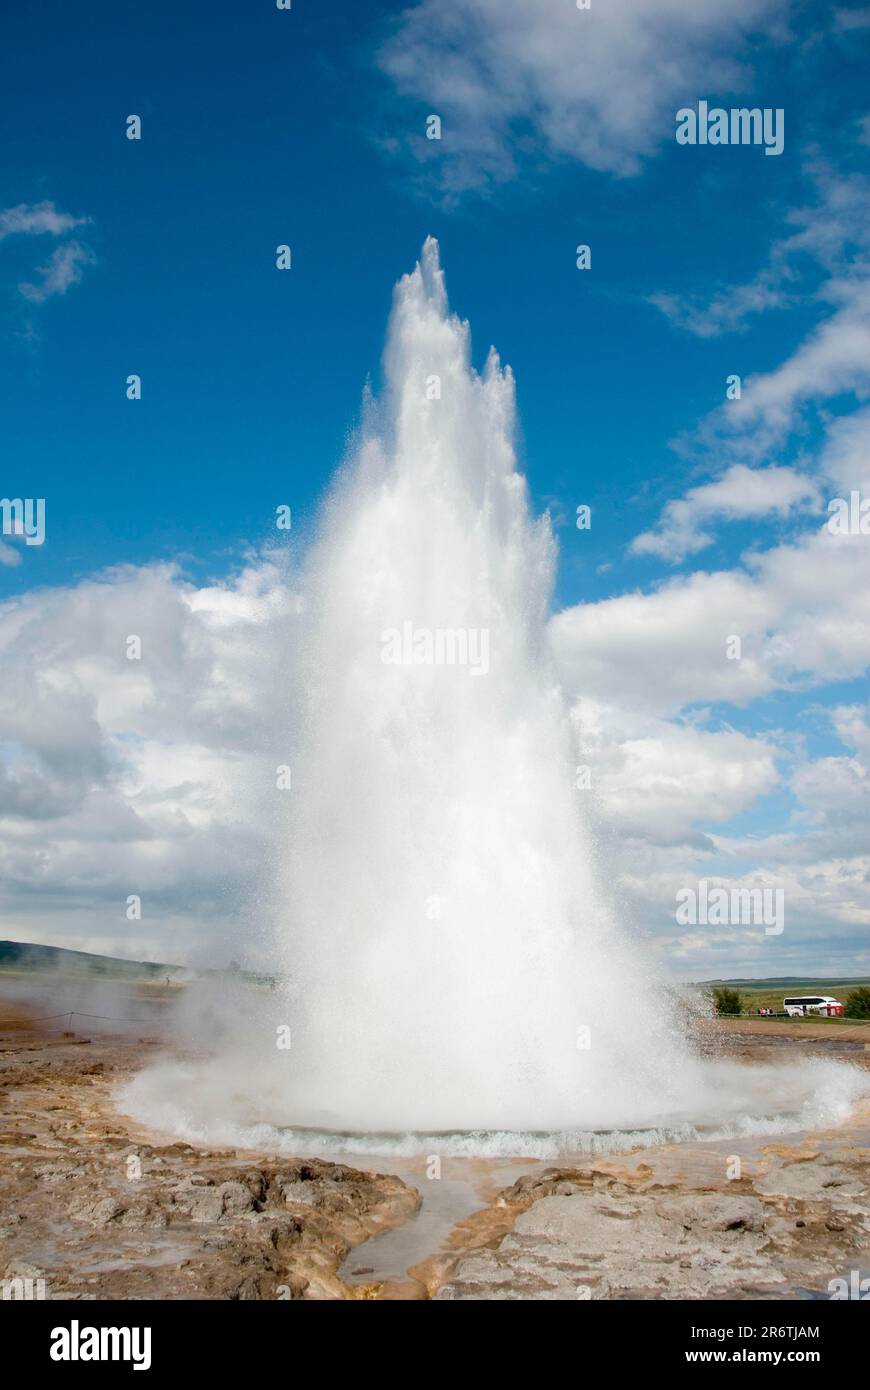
(527, 79)
(800, 611)
(845, 458)
(661, 780)
(156, 777)
(741, 493)
(820, 864)
(153, 777)
(833, 793)
(834, 790)
(852, 723)
(644, 669)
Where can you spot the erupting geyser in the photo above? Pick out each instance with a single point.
(454, 963)
(449, 960)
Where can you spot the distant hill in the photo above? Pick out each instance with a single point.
(812, 982)
(22, 955)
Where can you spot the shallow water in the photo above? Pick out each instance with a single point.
(468, 1185)
(465, 1186)
(196, 1101)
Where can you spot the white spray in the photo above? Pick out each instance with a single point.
(454, 977)
(453, 961)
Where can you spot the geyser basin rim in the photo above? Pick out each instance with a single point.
(735, 1103)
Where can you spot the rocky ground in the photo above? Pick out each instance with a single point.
(645, 1229)
(688, 1221)
(101, 1209)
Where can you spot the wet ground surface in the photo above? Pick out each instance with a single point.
(101, 1208)
(409, 1259)
(483, 1190)
(731, 1219)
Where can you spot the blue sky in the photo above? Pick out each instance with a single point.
(261, 127)
(307, 127)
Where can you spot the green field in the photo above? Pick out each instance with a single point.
(769, 994)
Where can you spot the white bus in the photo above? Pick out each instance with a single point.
(799, 1005)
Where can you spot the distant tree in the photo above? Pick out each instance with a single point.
(727, 1001)
(858, 1003)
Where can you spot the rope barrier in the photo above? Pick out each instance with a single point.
(76, 1013)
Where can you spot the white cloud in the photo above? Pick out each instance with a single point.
(157, 777)
(520, 79)
(659, 781)
(833, 793)
(830, 241)
(834, 359)
(153, 777)
(831, 232)
(852, 723)
(800, 610)
(36, 219)
(741, 493)
(66, 263)
(63, 269)
(726, 311)
(665, 779)
(845, 458)
(836, 790)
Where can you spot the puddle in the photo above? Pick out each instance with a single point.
(465, 1185)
